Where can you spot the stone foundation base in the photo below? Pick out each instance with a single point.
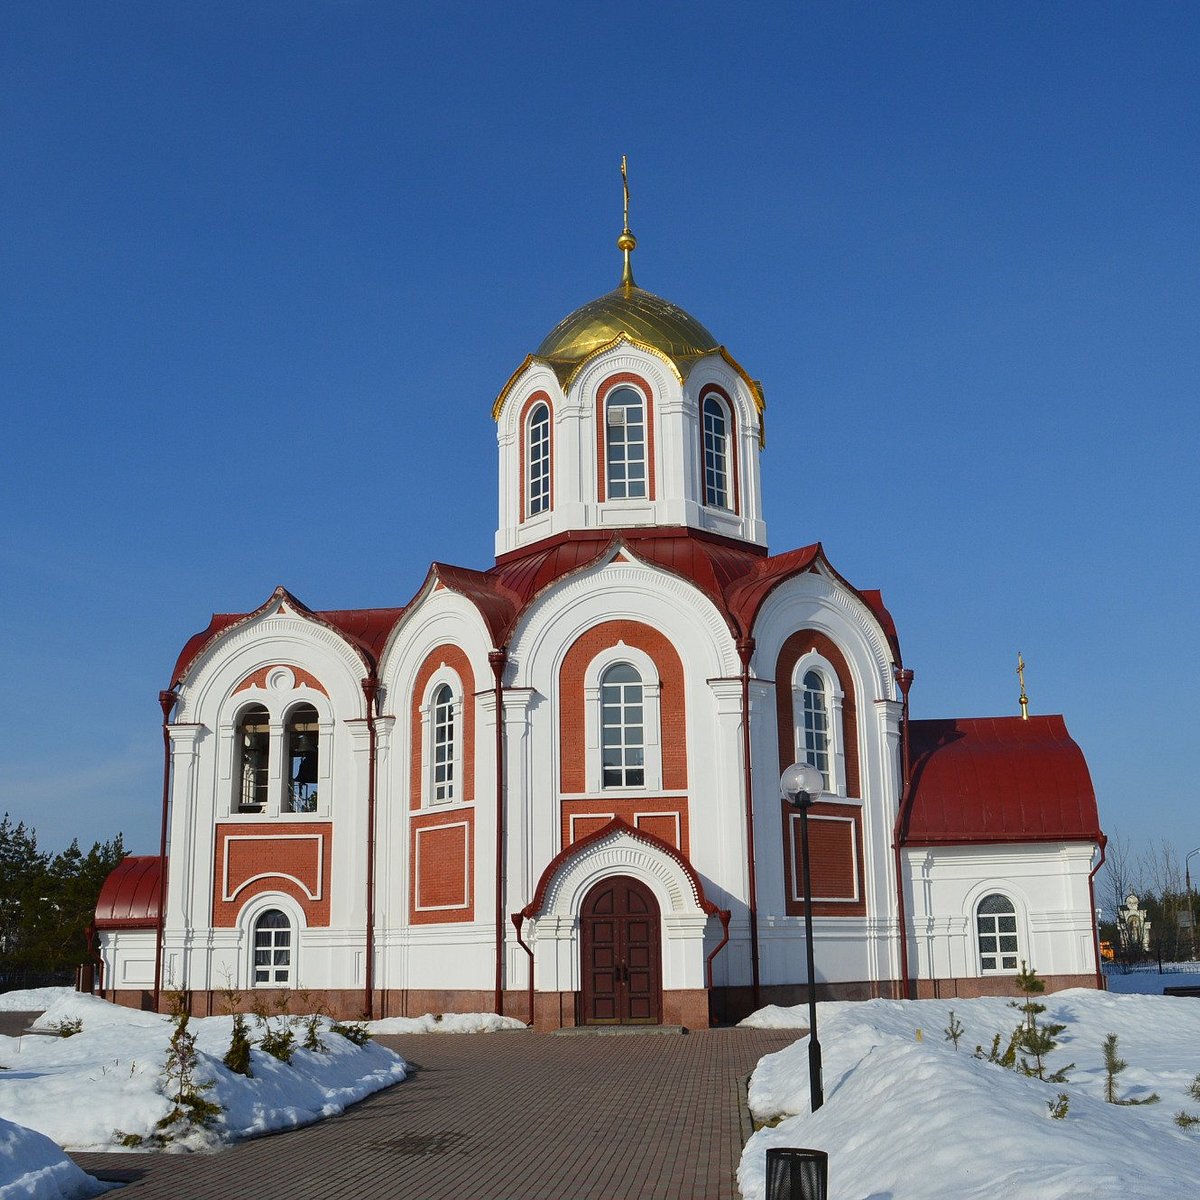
(994, 985)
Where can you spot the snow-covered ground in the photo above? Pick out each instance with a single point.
(85, 1092)
(907, 1117)
(446, 1023)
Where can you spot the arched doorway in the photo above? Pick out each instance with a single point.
(621, 954)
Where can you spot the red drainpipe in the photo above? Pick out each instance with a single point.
(497, 659)
(1095, 925)
(370, 687)
(518, 919)
(904, 679)
(723, 917)
(166, 701)
(745, 649)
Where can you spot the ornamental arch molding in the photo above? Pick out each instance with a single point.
(619, 853)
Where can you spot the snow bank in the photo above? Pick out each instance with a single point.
(32, 1167)
(915, 1120)
(446, 1023)
(32, 999)
(85, 1091)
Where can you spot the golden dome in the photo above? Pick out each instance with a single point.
(642, 316)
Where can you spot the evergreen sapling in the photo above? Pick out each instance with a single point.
(1113, 1066)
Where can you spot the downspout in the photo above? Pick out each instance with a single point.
(745, 649)
(166, 701)
(518, 919)
(1095, 924)
(904, 680)
(497, 659)
(723, 917)
(370, 687)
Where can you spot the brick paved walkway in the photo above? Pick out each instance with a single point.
(507, 1116)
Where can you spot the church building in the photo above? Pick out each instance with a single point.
(550, 787)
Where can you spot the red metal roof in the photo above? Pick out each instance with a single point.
(998, 779)
(129, 897)
(736, 576)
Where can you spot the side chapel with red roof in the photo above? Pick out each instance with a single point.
(551, 788)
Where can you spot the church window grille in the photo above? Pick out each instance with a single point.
(273, 949)
(303, 741)
(622, 727)
(716, 455)
(443, 745)
(815, 729)
(996, 923)
(538, 442)
(254, 749)
(625, 439)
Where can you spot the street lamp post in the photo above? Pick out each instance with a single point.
(1187, 874)
(800, 785)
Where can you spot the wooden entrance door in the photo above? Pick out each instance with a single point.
(621, 953)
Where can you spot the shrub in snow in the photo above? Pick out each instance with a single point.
(1058, 1106)
(352, 1031)
(1008, 1059)
(237, 1057)
(277, 1039)
(1037, 1040)
(1113, 1066)
(954, 1030)
(68, 1027)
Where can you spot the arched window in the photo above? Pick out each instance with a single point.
(996, 921)
(622, 727)
(273, 949)
(716, 454)
(443, 745)
(625, 442)
(814, 731)
(254, 749)
(303, 732)
(538, 461)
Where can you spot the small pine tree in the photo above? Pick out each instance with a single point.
(1185, 1120)
(190, 1110)
(954, 1030)
(1113, 1066)
(1058, 1107)
(1037, 1039)
(237, 1057)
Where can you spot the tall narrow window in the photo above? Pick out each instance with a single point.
(996, 921)
(716, 455)
(816, 726)
(538, 444)
(303, 732)
(273, 949)
(254, 748)
(622, 727)
(443, 745)
(625, 440)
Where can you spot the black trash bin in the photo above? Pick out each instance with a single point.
(797, 1174)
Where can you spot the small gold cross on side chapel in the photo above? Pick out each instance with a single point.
(1024, 698)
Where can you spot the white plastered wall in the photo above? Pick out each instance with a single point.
(630, 591)
(1047, 883)
(853, 948)
(677, 451)
(197, 955)
(450, 954)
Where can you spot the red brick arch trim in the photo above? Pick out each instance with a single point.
(732, 445)
(573, 717)
(528, 407)
(616, 825)
(453, 657)
(799, 644)
(614, 381)
(258, 679)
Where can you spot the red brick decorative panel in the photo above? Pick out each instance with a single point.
(799, 644)
(441, 860)
(665, 818)
(573, 718)
(451, 656)
(835, 840)
(258, 679)
(292, 858)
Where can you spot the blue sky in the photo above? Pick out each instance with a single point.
(265, 268)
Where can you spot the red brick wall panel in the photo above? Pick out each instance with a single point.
(572, 726)
(441, 859)
(258, 679)
(453, 657)
(837, 860)
(292, 857)
(664, 817)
